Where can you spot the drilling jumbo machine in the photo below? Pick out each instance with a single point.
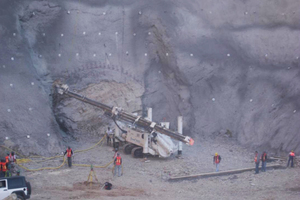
(141, 135)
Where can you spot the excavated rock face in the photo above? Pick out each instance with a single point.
(226, 67)
(82, 121)
(26, 115)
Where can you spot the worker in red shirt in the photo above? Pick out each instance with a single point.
(118, 164)
(291, 159)
(69, 153)
(216, 161)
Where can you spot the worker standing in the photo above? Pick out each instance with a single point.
(216, 161)
(12, 160)
(7, 161)
(264, 161)
(109, 134)
(291, 159)
(69, 153)
(118, 164)
(5, 172)
(256, 160)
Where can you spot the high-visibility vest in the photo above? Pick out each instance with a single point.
(7, 159)
(255, 158)
(118, 161)
(292, 154)
(3, 166)
(12, 158)
(69, 153)
(217, 159)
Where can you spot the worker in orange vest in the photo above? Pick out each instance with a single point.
(256, 161)
(7, 158)
(216, 161)
(7, 161)
(291, 159)
(69, 153)
(5, 171)
(118, 164)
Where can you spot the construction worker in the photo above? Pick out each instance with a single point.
(12, 160)
(69, 153)
(216, 161)
(109, 134)
(118, 164)
(263, 161)
(7, 161)
(256, 161)
(291, 158)
(12, 157)
(5, 171)
(7, 158)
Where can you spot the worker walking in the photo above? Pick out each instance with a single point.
(69, 153)
(291, 159)
(216, 161)
(263, 161)
(118, 164)
(256, 161)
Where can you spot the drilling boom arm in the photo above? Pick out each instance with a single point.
(127, 117)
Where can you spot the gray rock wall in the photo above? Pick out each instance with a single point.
(230, 65)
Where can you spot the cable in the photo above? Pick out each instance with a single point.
(123, 131)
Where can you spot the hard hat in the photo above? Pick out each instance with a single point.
(216, 154)
(292, 151)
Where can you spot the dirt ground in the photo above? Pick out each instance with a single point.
(149, 180)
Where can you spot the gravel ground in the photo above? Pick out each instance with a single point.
(148, 180)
